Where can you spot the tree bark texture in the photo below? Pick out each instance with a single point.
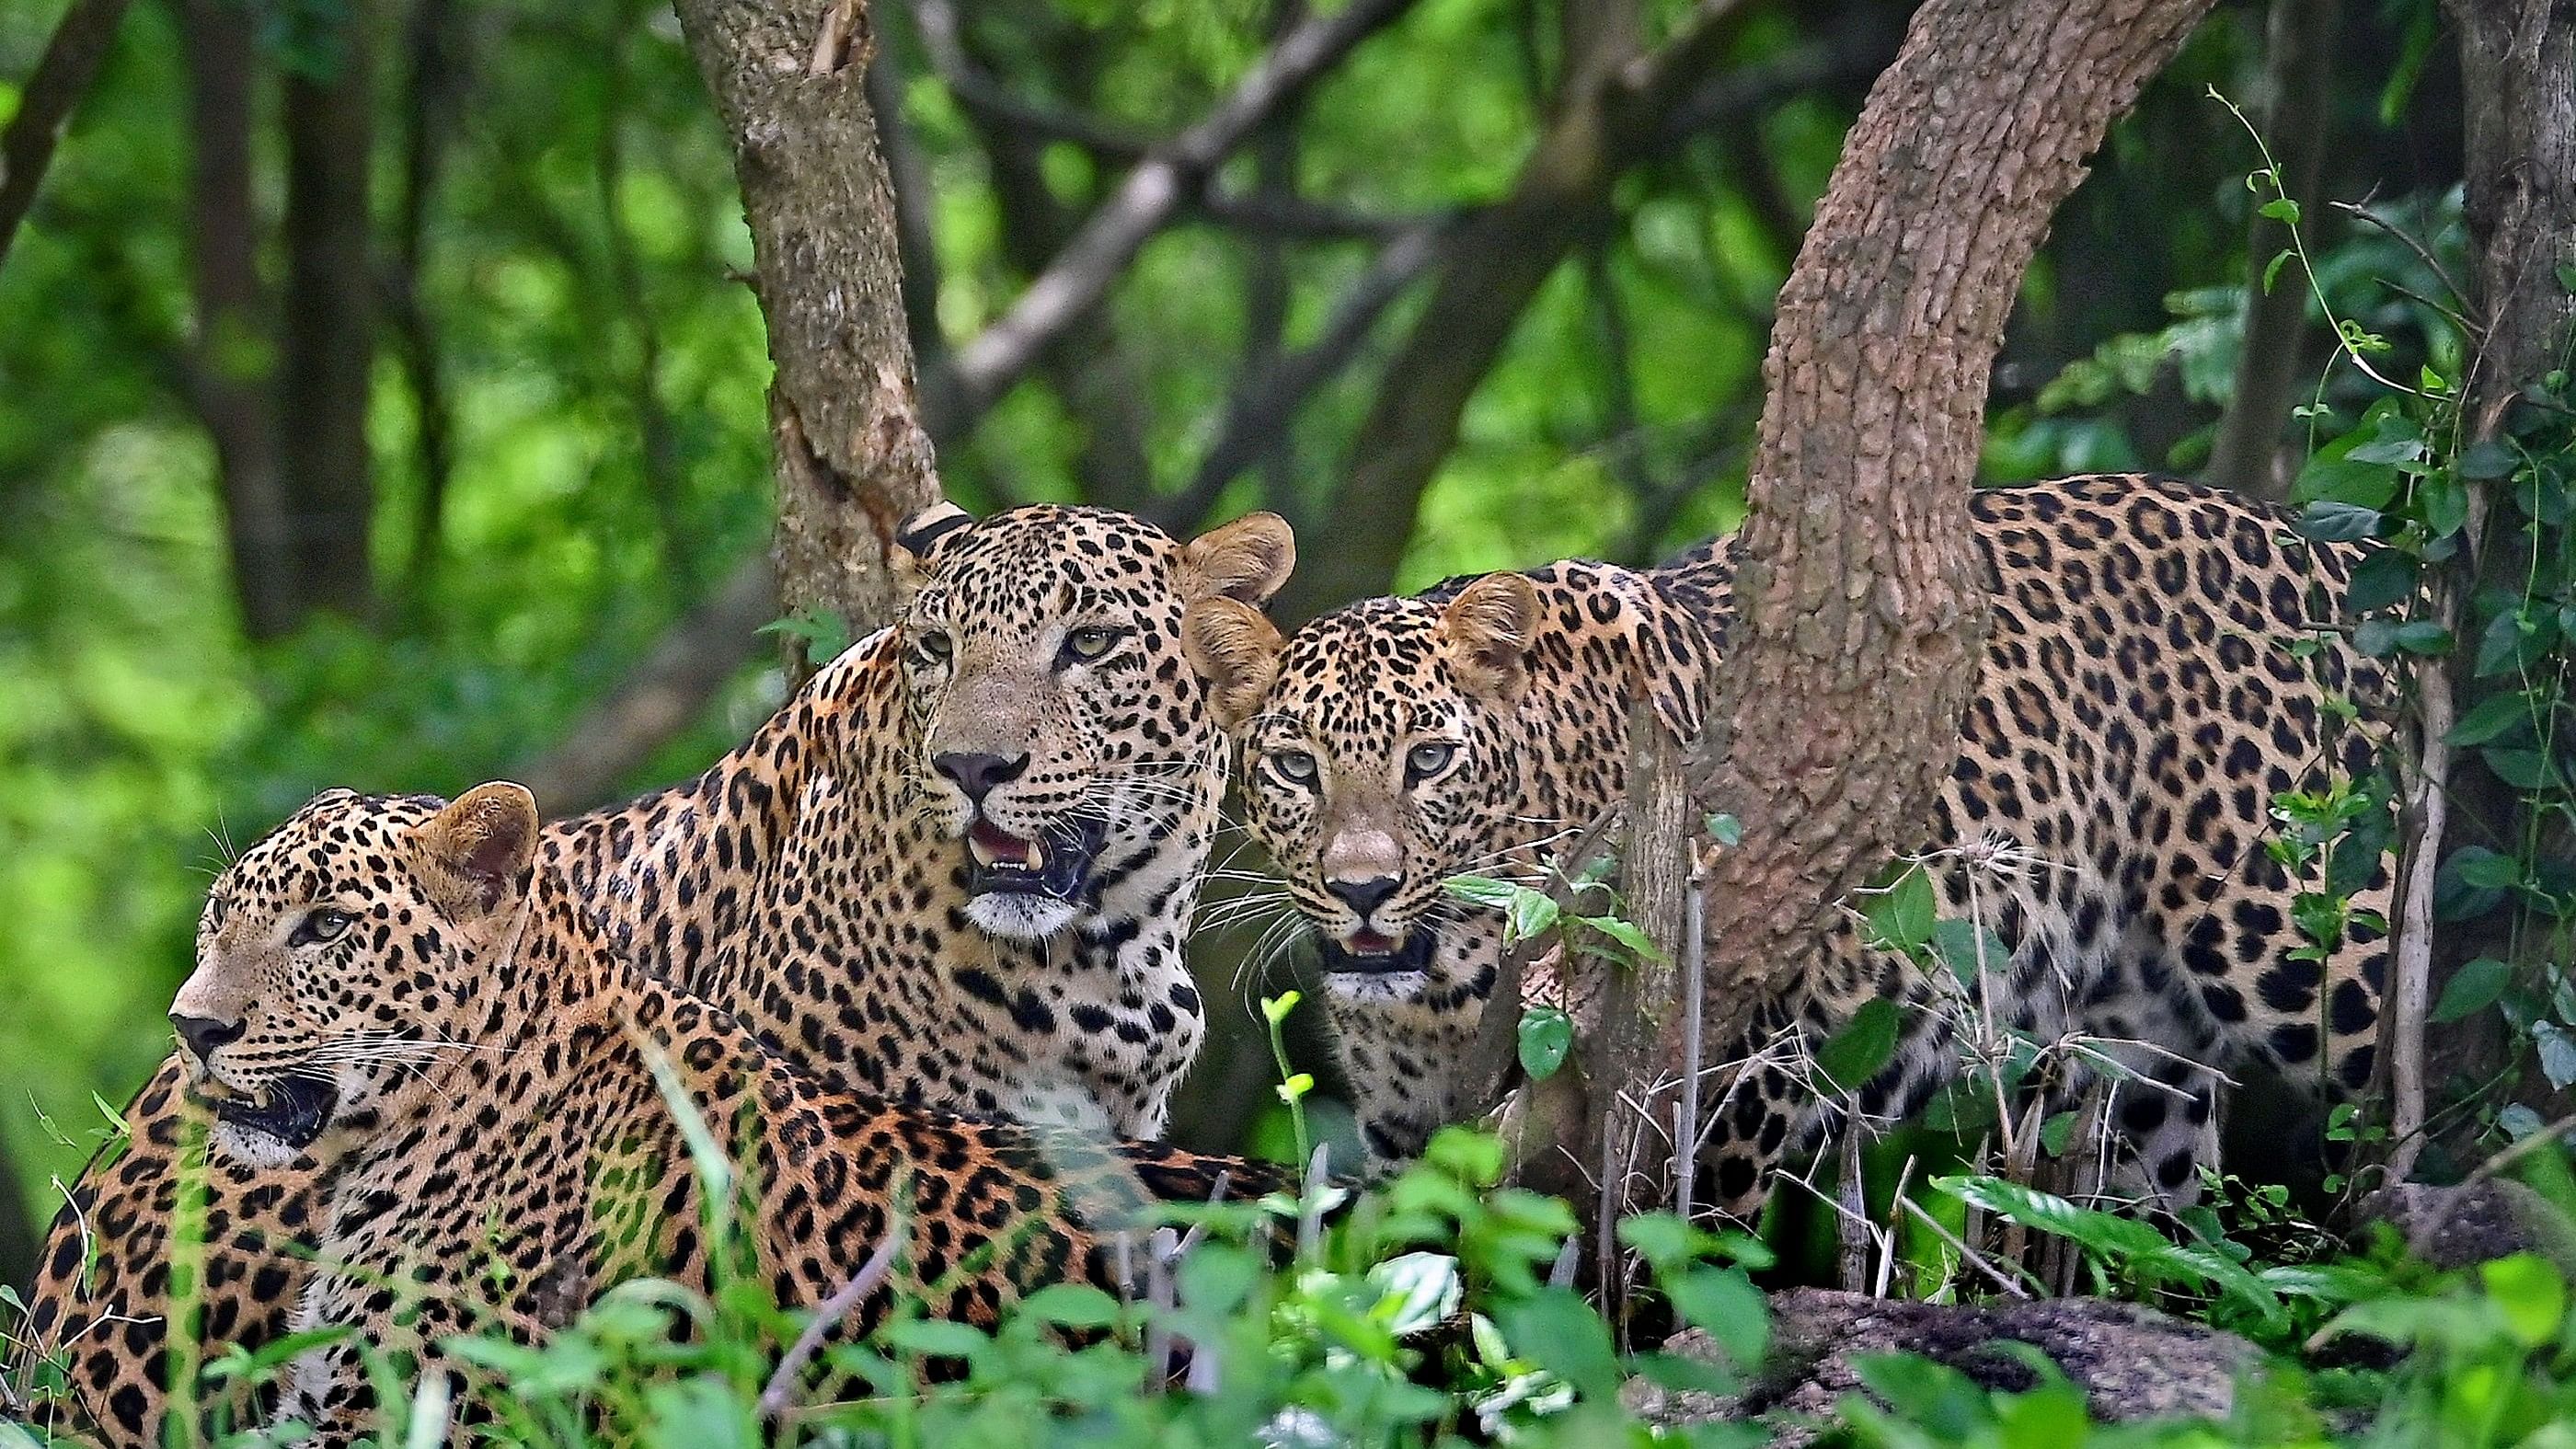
(2518, 75)
(2298, 111)
(328, 337)
(1861, 601)
(849, 453)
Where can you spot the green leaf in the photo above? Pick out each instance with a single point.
(1724, 1303)
(2488, 460)
(1546, 1035)
(933, 1337)
(1530, 915)
(1864, 1045)
(2491, 718)
(2272, 269)
(2375, 638)
(2328, 521)
(2054, 1132)
(1901, 916)
(2531, 1293)
(2472, 989)
(1956, 942)
(1481, 890)
(2444, 503)
(2281, 209)
(2382, 579)
(2476, 865)
(1725, 829)
(2423, 636)
(1628, 934)
(1558, 1331)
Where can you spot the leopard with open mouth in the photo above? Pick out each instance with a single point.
(820, 882)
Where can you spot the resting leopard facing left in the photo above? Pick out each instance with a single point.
(2161, 663)
(389, 983)
(818, 882)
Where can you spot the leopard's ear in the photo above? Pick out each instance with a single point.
(918, 542)
(1236, 650)
(1246, 560)
(474, 854)
(1487, 631)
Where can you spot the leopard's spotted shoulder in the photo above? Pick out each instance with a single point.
(869, 901)
(2162, 662)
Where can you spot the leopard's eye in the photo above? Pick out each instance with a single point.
(935, 644)
(1428, 759)
(1085, 645)
(320, 926)
(1295, 766)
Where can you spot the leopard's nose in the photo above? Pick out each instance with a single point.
(978, 774)
(1363, 896)
(201, 1035)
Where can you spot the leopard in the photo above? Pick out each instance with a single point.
(955, 868)
(2162, 664)
(501, 1106)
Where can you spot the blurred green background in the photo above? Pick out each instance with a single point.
(562, 439)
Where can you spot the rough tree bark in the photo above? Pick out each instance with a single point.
(2518, 79)
(849, 453)
(2298, 111)
(328, 334)
(1861, 605)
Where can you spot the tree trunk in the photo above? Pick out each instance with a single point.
(327, 356)
(2518, 73)
(2298, 72)
(849, 452)
(2518, 79)
(234, 361)
(1861, 604)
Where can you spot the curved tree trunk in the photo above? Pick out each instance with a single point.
(849, 452)
(1862, 608)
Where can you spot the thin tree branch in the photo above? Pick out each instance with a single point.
(1265, 404)
(62, 76)
(1150, 196)
(436, 44)
(1610, 114)
(683, 670)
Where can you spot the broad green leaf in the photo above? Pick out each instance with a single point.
(1546, 1035)
(2386, 577)
(2531, 1293)
(1901, 916)
(1558, 1331)
(2479, 866)
(1864, 1045)
(2491, 718)
(1627, 934)
(1530, 915)
(2471, 988)
(1724, 1303)
(2328, 521)
(1725, 829)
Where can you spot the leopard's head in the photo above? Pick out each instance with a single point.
(344, 960)
(1062, 737)
(1380, 751)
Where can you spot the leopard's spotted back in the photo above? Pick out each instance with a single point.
(812, 882)
(2161, 664)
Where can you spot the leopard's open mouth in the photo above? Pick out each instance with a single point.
(294, 1110)
(1057, 862)
(1372, 953)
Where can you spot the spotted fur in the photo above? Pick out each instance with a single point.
(2160, 666)
(814, 883)
(496, 1149)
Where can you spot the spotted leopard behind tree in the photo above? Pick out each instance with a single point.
(2161, 664)
(858, 882)
(494, 1146)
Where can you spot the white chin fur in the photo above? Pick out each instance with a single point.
(1019, 917)
(249, 1146)
(1369, 989)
